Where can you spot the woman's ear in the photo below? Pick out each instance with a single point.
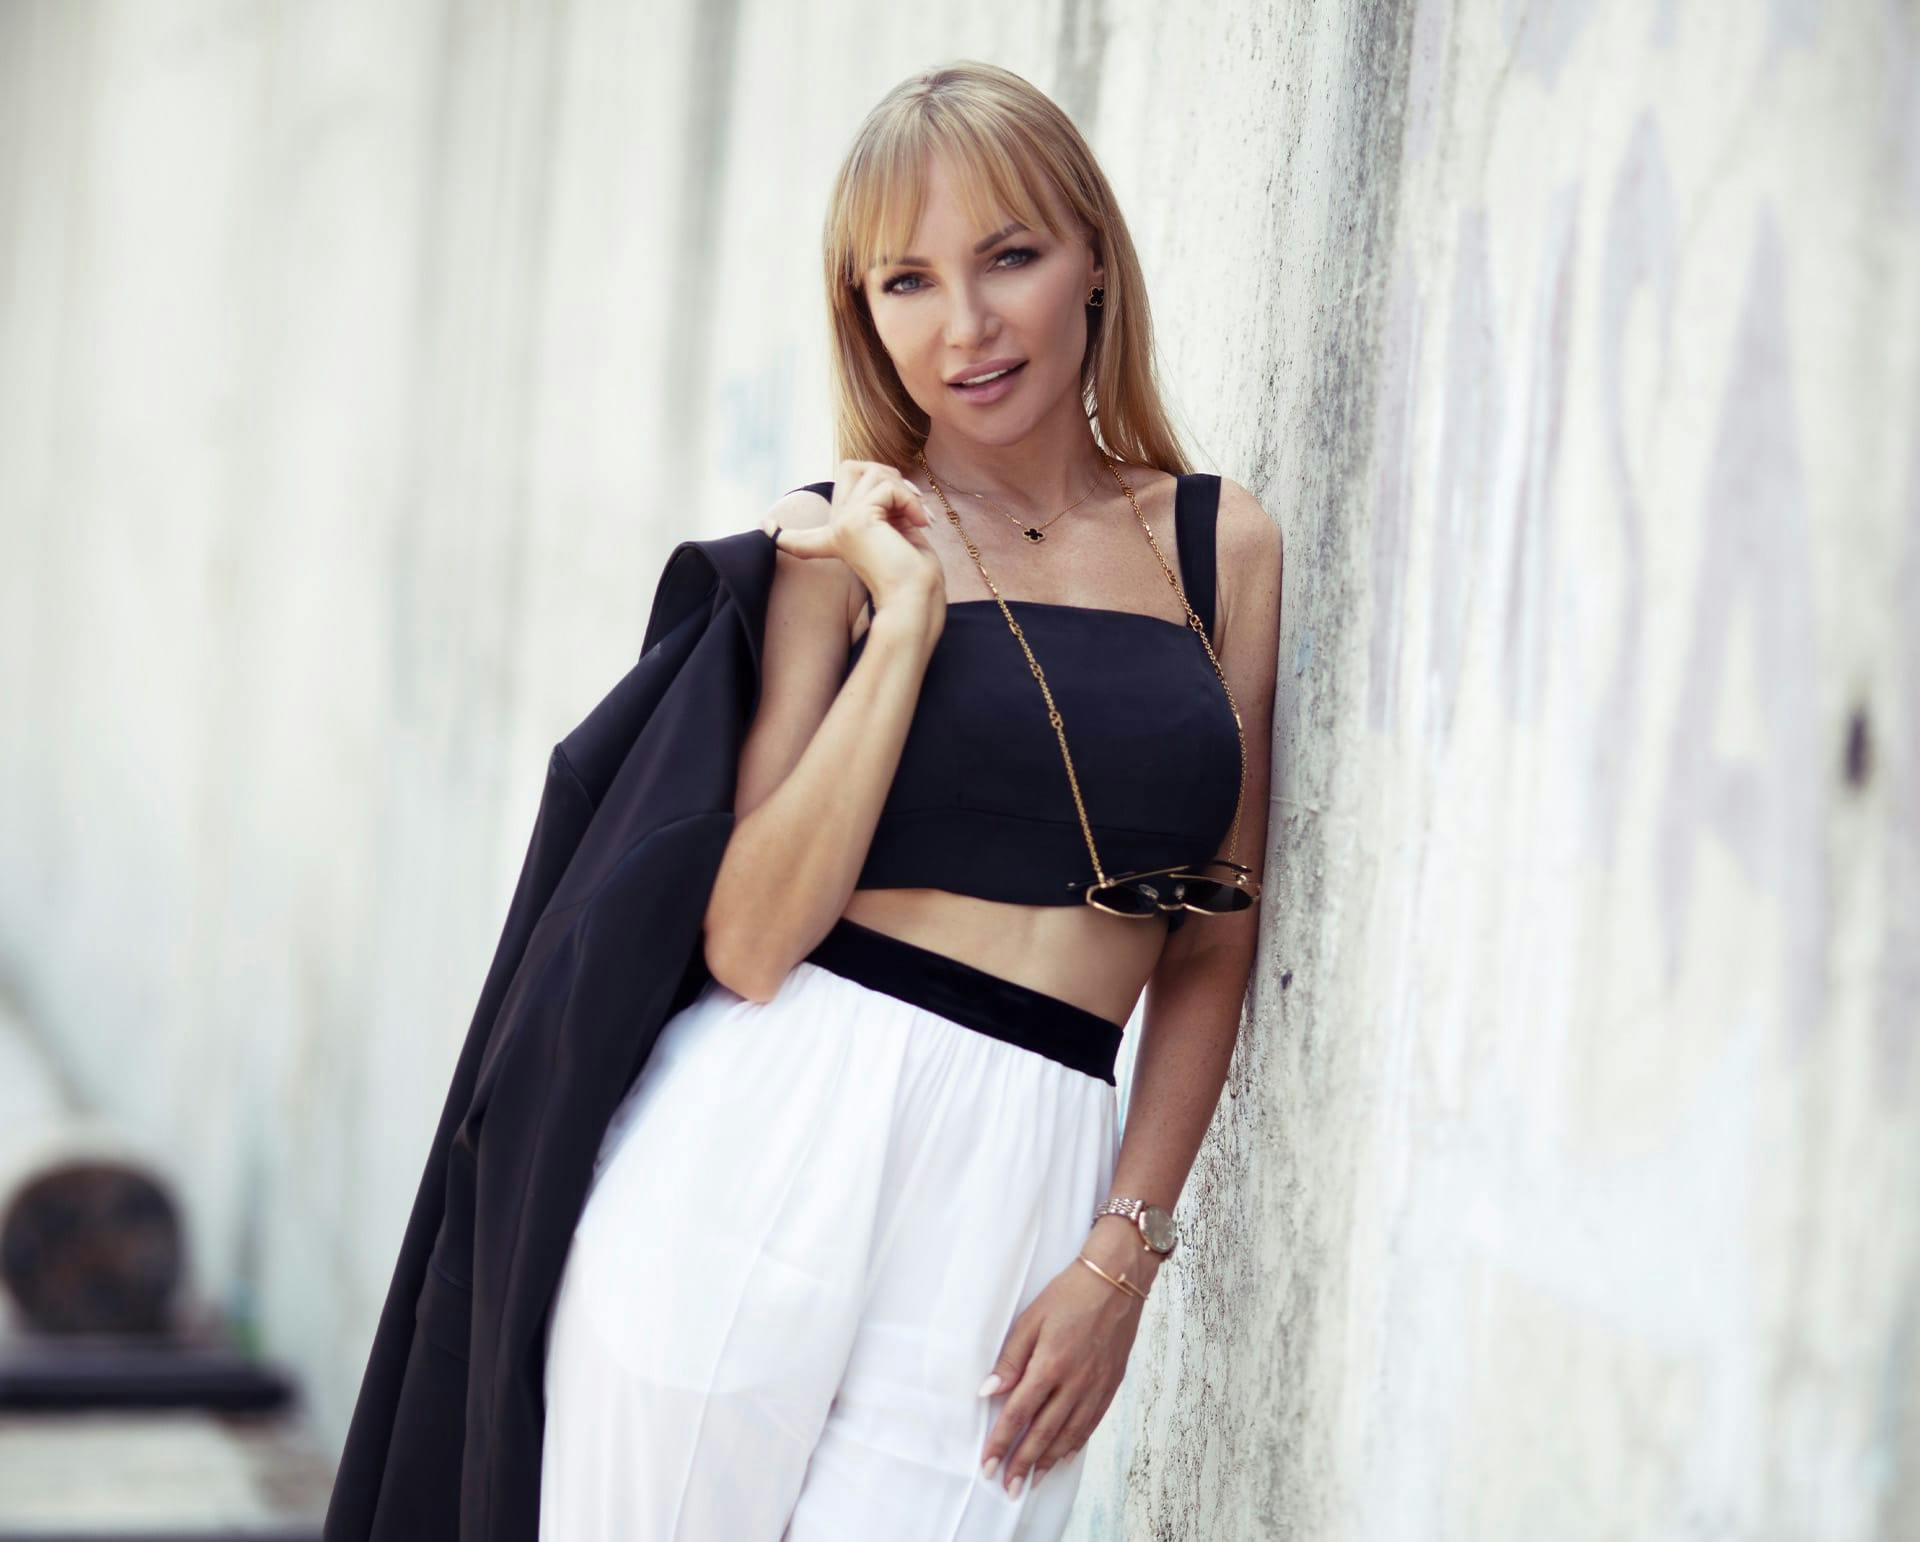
(1092, 238)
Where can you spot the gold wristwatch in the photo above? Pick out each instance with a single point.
(1158, 1229)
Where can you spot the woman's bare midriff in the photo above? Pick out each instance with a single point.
(1095, 960)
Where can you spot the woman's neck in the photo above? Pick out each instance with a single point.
(1022, 478)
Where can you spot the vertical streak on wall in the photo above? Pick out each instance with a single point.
(688, 371)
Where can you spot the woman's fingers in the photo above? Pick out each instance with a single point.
(1037, 1438)
(856, 483)
(806, 541)
(868, 496)
(1038, 1380)
(1011, 1378)
(1069, 1438)
(906, 504)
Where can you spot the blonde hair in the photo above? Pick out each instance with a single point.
(1009, 145)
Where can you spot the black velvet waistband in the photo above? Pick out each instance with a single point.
(1000, 1008)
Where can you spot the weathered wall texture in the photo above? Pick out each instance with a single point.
(360, 363)
(1571, 1184)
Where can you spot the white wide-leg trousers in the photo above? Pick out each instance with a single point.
(811, 1224)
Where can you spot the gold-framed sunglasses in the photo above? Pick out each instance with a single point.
(1144, 894)
(1216, 887)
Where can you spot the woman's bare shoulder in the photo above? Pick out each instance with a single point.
(1247, 532)
(1251, 554)
(798, 509)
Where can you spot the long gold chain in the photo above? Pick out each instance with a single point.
(1033, 664)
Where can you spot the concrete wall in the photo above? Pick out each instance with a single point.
(360, 363)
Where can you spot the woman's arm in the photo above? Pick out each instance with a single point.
(1065, 1355)
(817, 761)
(1194, 996)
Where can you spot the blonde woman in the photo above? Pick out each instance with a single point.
(866, 1249)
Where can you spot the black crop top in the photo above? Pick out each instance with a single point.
(980, 803)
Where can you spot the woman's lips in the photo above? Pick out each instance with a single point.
(993, 390)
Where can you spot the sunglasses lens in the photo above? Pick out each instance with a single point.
(1224, 901)
(1126, 900)
(1213, 897)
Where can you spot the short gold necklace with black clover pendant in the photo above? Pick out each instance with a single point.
(1034, 534)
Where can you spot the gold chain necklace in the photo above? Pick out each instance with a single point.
(1033, 664)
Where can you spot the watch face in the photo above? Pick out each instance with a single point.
(1156, 1225)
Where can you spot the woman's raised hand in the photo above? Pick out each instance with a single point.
(876, 528)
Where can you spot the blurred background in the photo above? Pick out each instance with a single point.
(360, 363)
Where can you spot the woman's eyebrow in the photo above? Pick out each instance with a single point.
(978, 246)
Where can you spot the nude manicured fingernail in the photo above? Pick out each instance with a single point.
(990, 1466)
(1013, 1488)
(991, 1385)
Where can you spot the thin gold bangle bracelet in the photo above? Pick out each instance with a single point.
(1126, 1285)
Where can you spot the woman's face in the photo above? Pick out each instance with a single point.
(960, 299)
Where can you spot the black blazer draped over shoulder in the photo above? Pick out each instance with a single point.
(602, 944)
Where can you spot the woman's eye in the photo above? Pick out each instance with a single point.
(891, 286)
